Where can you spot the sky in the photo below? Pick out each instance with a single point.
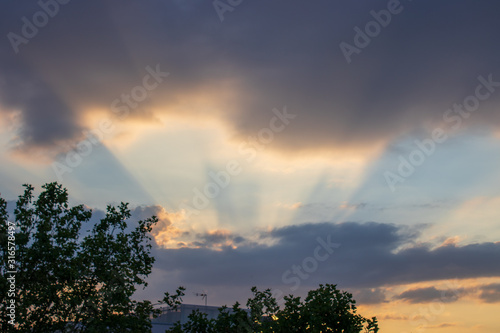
(282, 144)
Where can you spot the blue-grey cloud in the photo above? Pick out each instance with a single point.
(370, 255)
(431, 294)
(370, 296)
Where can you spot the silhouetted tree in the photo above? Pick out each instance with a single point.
(325, 309)
(68, 282)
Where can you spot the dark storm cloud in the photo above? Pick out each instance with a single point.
(368, 257)
(279, 53)
(425, 60)
(66, 58)
(490, 293)
(45, 116)
(425, 295)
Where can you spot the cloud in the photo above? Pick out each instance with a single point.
(349, 206)
(394, 317)
(293, 206)
(173, 232)
(370, 296)
(443, 325)
(166, 232)
(237, 71)
(490, 293)
(217, 240)
(431, 294)
(368, 257)
(44, 119)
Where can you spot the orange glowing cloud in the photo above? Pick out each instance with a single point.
(166, 232)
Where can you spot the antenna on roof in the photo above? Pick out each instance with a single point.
(203, 296)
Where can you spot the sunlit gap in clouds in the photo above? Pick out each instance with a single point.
(269, 191)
